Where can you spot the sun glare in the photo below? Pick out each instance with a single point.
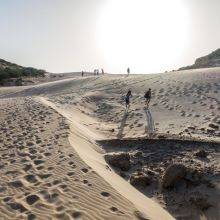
(147, 35)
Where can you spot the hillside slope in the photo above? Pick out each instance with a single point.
(5, 64)
(9, 71)
(211, 60)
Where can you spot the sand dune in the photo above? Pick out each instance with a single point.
(183, 103)
(42, 175)
(54, 137)
(84, 142)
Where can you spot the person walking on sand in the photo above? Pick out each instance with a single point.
(82, 73)
(127, 99)
(128, 71)
(147, 97)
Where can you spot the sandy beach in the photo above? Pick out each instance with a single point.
(69, 150)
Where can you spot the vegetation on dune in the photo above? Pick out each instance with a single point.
(13, 71)
(211, 60)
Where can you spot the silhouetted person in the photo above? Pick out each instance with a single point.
(82, 73)
(128, 71)
(127, 99)
(147, 97)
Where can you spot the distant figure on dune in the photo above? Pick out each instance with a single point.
(96, 72)
(147, 97)
(127, 99)
(82, 73)
(128, 71)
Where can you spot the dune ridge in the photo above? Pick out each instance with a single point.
(81, 141)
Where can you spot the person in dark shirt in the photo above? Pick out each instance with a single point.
(147, 97)
(127, 99)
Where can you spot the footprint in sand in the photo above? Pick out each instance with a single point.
(114, 209)
(37, 162)
(31, 199)
(40, 167)
(63, 186)
(71, 163)
(56, 182)
(105, 194)
(85, 170)
(77, 214)
(47, 154)
(38, 141)
(60, 208)
(17, 206)
(32, 151)
(29, 144)
(75, 197)
(12, 161)
(2, 189)
(140, 125)
(61, 156)
(32, 157)
(7, 199)
(31, 216)
(45, 176)
(85, 181)
(50, 198)
(31, 178)
(16, 184)
(71, 173)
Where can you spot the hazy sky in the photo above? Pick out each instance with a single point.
(75, 35)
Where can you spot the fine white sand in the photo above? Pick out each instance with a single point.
(42, 175)
(52, 166)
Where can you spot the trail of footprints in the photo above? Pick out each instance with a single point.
(39, 174)
(187, 100)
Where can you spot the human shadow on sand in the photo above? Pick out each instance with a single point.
(150, 122)
(123, 122)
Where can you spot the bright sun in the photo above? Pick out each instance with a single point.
(146, 35)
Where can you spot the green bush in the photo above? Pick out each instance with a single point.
(3, 75)
(18, 82)
(12, 72)
(29, 71)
